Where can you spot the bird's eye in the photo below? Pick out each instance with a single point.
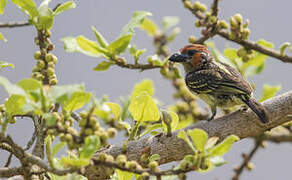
(192, 52)
(203, 58)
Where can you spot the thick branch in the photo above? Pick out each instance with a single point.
(9, 172)
(241, 123)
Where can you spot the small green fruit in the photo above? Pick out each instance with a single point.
(41, 64)
(53, 81)
(111, 132)
(153, 165)
(37, 55)
(50, 71)
(188, 4)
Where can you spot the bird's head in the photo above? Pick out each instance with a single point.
(193, 57)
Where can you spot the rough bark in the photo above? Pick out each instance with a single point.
(241, 123)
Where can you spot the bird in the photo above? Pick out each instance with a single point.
(216, 83)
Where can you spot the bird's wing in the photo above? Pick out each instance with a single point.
(216, 82)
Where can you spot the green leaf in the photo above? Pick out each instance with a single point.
(136, 53)
(231, 54)
(217, 54)
(211, 142)
(2, 37)
(150, 129)
(14, 104)
(199, 138)
(154, 59)
(11, 88)
(76, 101)
(57, 148)
(174, 121)
(137, 19)
(27, 6)
(64, 7)
(89, 46)
(115, 108)
(149, 26)
(120, 45)
(50, 119)
(71, 45)
(103, 66)
(124, 175)
(265, 43)
(269, 92)
(100, 39)
(2, 6)
(29, 84)
(169, 21)
(217, 161)
(60, 94)
(173, 34)
(154, 157)
(143, 108)
(4, 64)
(74, 162)
(145, 85)
(46, 16)
(91, 145)
(224, 146)
(182, 135)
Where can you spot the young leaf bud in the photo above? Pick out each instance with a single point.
(233, 23)
(223, 24)
(245, 33)
(238, 18)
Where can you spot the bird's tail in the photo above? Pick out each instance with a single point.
(260, 111)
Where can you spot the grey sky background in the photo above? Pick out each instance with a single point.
(269, 19)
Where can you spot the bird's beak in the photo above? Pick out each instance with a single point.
(178, 57)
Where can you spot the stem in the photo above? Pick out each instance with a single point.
(134, 131)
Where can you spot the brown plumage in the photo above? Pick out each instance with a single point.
(218, 84)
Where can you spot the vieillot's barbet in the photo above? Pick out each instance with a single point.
(216, 83)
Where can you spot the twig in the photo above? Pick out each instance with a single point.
(277, 138)
(75, 116)
(141, 67)
(14, 24)
(248, 44)
(246, 160)
(8, 160)
(140, 171)
(31, 141)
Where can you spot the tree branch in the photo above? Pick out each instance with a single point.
(9, 172)
(246, 160)
(241, 123)
(14, 24)
(248, 44)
